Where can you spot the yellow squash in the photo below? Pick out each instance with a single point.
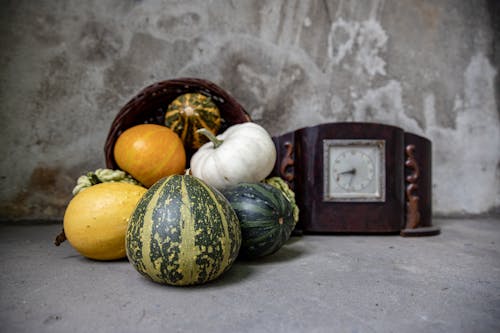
(95, 221)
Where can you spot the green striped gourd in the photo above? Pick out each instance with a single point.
(190, 112)
(183, 232)
(266, 218)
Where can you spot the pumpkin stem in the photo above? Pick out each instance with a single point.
(60, 238)
(211, 137)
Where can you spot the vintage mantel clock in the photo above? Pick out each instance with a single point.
(358, 178)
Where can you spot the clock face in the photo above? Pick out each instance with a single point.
(354, 170)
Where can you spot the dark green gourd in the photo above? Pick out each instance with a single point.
(266, 218)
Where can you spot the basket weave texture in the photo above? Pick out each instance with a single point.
(150, 104)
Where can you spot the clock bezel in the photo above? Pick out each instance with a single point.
(354, 197)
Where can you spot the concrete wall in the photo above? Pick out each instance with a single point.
(67, 67)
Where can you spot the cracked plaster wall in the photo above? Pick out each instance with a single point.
(430, 67)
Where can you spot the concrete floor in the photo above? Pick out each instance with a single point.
(446, 283)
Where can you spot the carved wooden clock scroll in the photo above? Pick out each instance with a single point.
(358, 178)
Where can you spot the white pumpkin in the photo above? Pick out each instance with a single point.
(243, 153)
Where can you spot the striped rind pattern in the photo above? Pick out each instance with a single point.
(183, 232)
(266, 218)
(203, 114)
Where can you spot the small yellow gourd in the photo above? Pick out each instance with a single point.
(95, 221)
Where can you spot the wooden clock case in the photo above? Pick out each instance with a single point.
(407, 209)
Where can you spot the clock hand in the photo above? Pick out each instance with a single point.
(350, 179)
(348, 172)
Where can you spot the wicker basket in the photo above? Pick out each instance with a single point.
(149, 107)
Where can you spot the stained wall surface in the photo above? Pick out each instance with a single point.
(430, 67)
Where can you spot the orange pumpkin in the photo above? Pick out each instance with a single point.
(150, 152)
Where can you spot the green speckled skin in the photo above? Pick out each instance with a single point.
(183, 232)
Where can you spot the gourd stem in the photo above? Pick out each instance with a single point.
(211, 137)
(94, 180)
(60, 238)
